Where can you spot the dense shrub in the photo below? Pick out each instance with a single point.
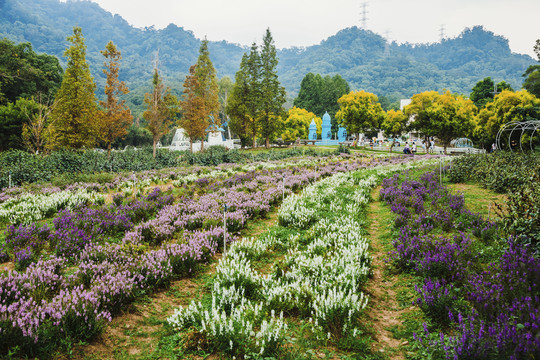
(501, 171)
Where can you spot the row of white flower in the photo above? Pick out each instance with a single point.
(320, 278)
(28, 208)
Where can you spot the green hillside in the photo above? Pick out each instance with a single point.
(359, 56)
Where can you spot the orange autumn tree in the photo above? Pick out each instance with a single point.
(116, 118)
(193, 110)
(161, 107)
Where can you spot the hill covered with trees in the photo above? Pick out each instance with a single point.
(361, 57)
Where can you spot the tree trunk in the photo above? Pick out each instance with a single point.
(191, 145)
(267, 142)
(254, 141)
(109, 151)
(392, 145)
(154, 148)
(202, 144)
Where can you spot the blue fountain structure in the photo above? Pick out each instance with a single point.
(342, 134)
(326, 127)
(312, 130)
(327, 132)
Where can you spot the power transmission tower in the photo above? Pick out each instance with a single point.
(364, 13)
(441, 32)
(387, 44)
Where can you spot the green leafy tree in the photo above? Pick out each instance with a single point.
(484, 91)
(310, 93)
(161, 107)
(12, 117)
(254, 80)
(447, 116)
(272, 93)
(394, 124)
(116, 118)
(320, 94)
(225, 88)
(37, 130)
(237, 105)
(74, 113)
(419, 112)
(360, 112)
(452, 117)
(23, 73)
(532, 74)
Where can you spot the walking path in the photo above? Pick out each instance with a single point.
(384, 311)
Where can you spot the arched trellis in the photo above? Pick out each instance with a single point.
(521, 128)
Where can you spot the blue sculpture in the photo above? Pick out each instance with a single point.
(342, 134)
(326, 127)
(312, 130)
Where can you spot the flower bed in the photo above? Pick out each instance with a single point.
(492, 311)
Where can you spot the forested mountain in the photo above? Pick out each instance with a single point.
(360, 56)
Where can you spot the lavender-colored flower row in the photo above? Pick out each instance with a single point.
(494, 313)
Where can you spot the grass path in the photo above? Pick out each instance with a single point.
(388, 293)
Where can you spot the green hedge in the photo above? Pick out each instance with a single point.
(28, 168)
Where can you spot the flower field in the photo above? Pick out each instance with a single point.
(79, 261)
(77, 255)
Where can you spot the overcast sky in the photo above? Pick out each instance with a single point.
(307, 22)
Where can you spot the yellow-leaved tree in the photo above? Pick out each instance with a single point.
(447, 116)
(394, 124)
(296, 125)
(360, 112)
(508, 106)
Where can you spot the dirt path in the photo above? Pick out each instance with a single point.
(384, 312)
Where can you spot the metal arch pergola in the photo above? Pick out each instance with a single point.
(529, 125)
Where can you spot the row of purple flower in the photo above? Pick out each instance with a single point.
(491, 311)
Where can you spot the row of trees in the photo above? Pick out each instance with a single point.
(254, 103)
(446, 116)
(46, 109)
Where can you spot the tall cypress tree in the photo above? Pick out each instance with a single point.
(237, 105)
(74, 113)
(272, 93)
(208, 88)
(253, 100)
